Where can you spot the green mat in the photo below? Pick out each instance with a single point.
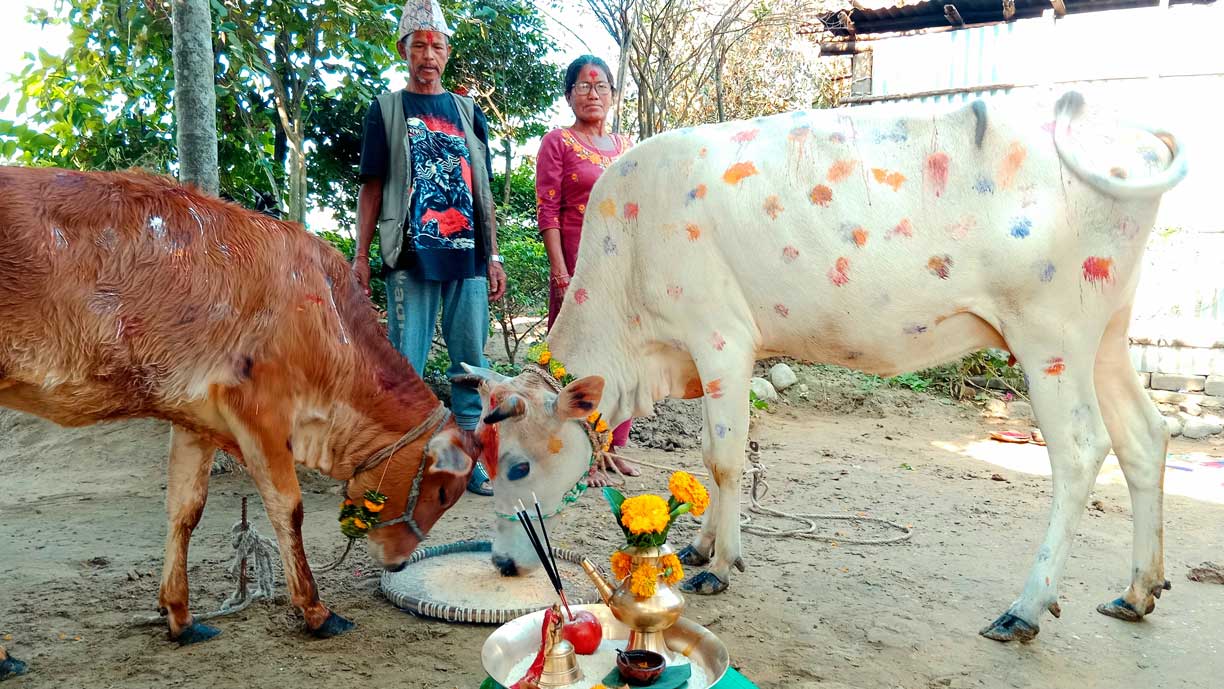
(731, 680)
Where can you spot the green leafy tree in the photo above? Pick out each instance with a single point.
(526, 263)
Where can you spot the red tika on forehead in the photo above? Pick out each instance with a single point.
(593, 74)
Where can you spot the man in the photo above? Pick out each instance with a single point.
(425, 173)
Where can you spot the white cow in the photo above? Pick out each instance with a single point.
(885, 241)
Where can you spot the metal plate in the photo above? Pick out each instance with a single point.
(518, 638)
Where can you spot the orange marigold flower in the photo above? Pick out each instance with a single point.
(645, 580)
(593, 418)
(685, 488)
(645, 514)
(545, 357)
(621, 564)
(373, 506)
(672, 571)
(601, 426)
(360, 524)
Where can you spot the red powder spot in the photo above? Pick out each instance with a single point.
(718, 341)
(821, 195)
(839, 274)
(789, 254)
(631, 211)
(903, 228)
(745, 136)
(1098, 270)
(781, 310)
(450, 221)
(841, 170)
(636, 321)
(489, 441)
(694, 232)
(1055, 366)
(593, 74)
(739, 171)
(314, 299)
(936, 172)
(860, 236)
(675, 291)
(773, 206)
(581, 295)
(703, 152)
(940, 266)
(714, 389)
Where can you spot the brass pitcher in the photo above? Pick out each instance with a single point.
(646, 618)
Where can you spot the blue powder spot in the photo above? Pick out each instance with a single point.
(1021, 227)
(609, 246)
(721, 430)
(897, 135)
(799, 114)
(1150, 156)
(915, 329)
(1046, 270)
(984, 186)
(628, 168)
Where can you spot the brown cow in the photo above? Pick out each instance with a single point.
(126, 295)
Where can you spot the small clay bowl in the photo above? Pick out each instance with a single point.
(640, 668)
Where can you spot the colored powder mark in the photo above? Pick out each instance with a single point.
(592, 73)
(703, 152)
(696, 194)
(1098, 270)
(898, 134)
(1055, 366)
(936, 172)
(738, 172)
(1016, 154)
(554, 444)
(789, 254)
(636, 321)
(721, 430)
(940, 266)
(625, 170)
(745, 136)
(984, 185)
(854, 234)
(773, 206)
(839, 274)
(960, 230)
(694, 232)
(609, 246)
(892, 179)
(1045, 269)
(314, 299)
(581, 295)
(718, 341)
(631, 211)
(781, 310)
(841, 170)
(1128, 228)
(903, 229)
(915, 329)
(800, 134)
(713, 389)
(1021, 227)
(607, 208)
(821, 196)
(490, 438)
(860, 236)
(675, 291)
(837, 138)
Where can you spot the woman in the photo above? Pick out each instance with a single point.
(570, 160)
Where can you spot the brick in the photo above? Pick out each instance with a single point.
(1186, 361)
(1178, 398)
(1178, 383)
(1215, 386)
(1145, 379)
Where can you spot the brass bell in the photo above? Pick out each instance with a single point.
(561, 666)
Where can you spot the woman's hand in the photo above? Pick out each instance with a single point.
(560, 282)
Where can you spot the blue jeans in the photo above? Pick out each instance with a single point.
(412, 311)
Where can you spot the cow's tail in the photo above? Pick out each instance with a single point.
(1067, 109)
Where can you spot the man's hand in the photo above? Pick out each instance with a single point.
(361, 271)
(497, 281)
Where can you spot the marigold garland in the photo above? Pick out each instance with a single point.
(645, 514)
(540, 354)
(644, 581)
(685, 488)
(622, 564)
(357, 520)
(672, 571)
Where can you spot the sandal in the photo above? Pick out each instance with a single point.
(479, 483)
(1011, 436)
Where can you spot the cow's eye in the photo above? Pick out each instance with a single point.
(518, 471)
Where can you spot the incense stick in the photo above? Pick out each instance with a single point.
(554, 575)
(551, 556)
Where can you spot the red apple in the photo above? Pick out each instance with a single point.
(584, 632)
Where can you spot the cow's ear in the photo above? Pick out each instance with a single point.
(450, 454)
(579, 398)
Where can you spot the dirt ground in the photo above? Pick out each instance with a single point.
(82, 524)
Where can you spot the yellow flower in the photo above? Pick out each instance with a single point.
(601, 427)
(672, 569)
(373, 506)
(644, 581)
(559, 371)
(593, 418)
(545, 357)
(685, 488)
(621, 563)
(645, 514)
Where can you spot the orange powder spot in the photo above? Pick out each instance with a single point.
(607, 208)
(1011, 164)
(892, 179)
(773, 206)
(738, 172)
(692, 389)
(1098, 270)
(821, 195)
(860, 236)
(714, 388)
(555, 445)
(1055, 366)
(839, 274)
(694, 232)
(904, 228)
(841, 170)
(700, 191)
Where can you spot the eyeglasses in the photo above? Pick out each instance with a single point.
(583, 88)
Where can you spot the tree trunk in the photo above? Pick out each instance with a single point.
(718, 82)
(506, 190)
(297, 180)
(620, 76)
(195, 100)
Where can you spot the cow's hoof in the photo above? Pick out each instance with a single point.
(691, 557)
(704, 584)
(1010, 628)
(334, 625)
(1161, 588)
(11, 667)
(196, 633)
(1122, 610)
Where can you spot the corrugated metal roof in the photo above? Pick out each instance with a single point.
(924, 15)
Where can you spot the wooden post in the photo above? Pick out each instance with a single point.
(242, 566)
(860, 74)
